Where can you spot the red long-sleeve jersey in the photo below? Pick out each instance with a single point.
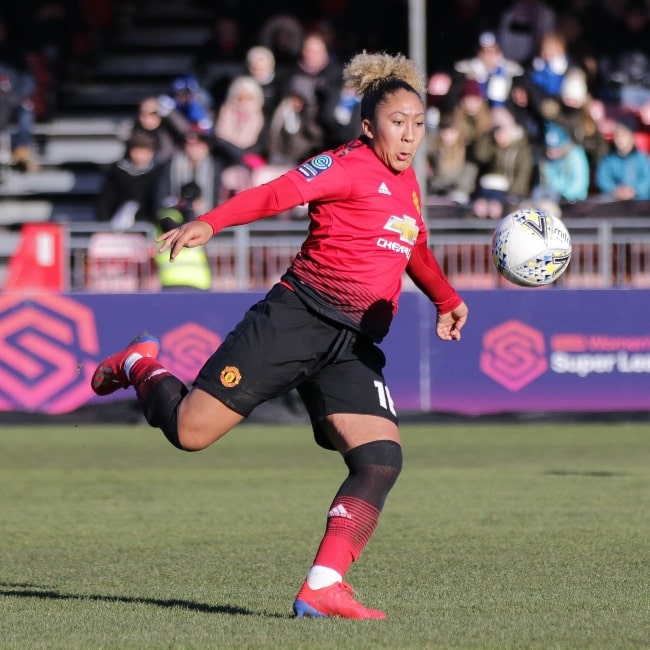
(366, 230)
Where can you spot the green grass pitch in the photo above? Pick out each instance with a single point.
(496, 536)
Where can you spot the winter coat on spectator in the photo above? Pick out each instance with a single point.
(129, 189)
(564, 170)
(632, 170)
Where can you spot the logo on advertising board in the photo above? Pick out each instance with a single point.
(47, 349)
(514, 354)
(186, 348)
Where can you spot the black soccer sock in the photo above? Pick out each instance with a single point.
(159, 399)
(374, 468)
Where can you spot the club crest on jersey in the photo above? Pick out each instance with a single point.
(405, 226)
(315, 166)
(230, 376)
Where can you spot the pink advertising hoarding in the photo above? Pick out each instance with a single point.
(547, 350)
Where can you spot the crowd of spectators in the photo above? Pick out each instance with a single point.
(528, 100)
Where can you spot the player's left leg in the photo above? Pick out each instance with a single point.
(371, 448)
(190, 420)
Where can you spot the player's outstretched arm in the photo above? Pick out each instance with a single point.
(448, 325)
(188, 235)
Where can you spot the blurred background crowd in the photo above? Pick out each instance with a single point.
(528, 101)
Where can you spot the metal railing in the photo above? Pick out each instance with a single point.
(607, 253)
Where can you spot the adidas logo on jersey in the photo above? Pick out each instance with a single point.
(383, 189)
(339, 511)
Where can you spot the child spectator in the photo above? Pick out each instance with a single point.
(564, 169)
(574, 109)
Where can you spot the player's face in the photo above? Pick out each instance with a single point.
(397, 129)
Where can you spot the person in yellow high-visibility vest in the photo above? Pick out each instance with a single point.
(191, 271)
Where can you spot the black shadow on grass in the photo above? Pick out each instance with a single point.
(42, 592)
(592, 474)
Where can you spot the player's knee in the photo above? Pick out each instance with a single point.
(379, 462)
(192, 438)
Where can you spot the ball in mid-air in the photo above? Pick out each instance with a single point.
(531, 248)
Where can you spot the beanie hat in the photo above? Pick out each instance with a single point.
(627, 121)
(556, 137)
(471, 87)
(574, 88)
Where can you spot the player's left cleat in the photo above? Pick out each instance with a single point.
(335, 600)
(110, 376)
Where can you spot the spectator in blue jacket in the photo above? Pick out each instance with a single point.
(190, 100)
(564, 173)
(624, 173)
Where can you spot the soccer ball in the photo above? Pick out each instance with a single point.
(531, 248)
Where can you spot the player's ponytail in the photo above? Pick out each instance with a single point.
(374, 76)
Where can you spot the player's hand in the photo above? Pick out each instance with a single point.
(448, 325)
(189, 235)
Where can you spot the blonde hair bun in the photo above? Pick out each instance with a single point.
(364, 72)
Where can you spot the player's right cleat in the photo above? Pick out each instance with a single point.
(335, 600)
(109, 375)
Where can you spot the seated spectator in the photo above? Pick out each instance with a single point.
(491, 69)
(320, 74)
(167, 131)
(564, 175)
(128, 193)
(576, 111)
(190, 100)
(507, 164)
(624, 173)
(294, 133)
(260, 64)
(451, 176)
(241, 134)
(472, 116)
(194, 162)
(550, 66)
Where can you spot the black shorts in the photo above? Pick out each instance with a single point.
(281, 344)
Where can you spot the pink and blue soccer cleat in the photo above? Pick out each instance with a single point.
(110, 376)
(335, 600)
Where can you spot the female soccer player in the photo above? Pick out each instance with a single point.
(317, 329)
